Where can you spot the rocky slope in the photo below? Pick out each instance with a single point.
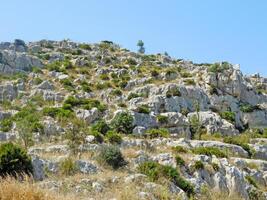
(177, 107)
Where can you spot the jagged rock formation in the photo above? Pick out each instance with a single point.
(99, 81)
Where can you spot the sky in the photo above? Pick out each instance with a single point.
(197, 30)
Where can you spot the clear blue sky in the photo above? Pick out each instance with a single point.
(198, 30)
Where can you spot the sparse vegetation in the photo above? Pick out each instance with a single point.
(155, 171)
(154, 133)
(112, 156)
(209, 151)
(123, 123)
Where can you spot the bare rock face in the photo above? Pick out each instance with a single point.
(8, 92)
(12, 61)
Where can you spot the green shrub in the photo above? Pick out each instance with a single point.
(87, 104)
(155, 171)
(251, 181)
(98, 136)
(143, 109)
(104, 76)
(247, 108)
(154, 73)
(228, 115)
(179, 161)
(131, 61)
(113, 137)
(85, 47)
(67, 84)
(68, 167)
(116, 92)
(189, 82)
(29, 115)
(112, 156)
(102, 86)
(215, 166)
(154, 133)
(219, 67)
(133, 95)
(209, 151)
(101, 126)
(36, 70)
(180, 149)
(162, 119)
(57, 112)
(85, 86)
(14, 160)
(37, 81)
(123, 123)
(185, 74)
(6, 124)
(198, 165)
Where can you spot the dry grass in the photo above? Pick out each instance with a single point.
(11, 189)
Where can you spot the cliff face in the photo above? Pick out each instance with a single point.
(197, 105)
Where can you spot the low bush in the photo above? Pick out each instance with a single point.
(251, 181)
(162, 119)
(113, 137)
(154, 133)
(133, 95)
(6, 124)
(85, 47)
(87, 104)
(123, 123)
(179, 149)
(219, 67)
(179, 161)
(215, 166)
(101, 126)
(14, 160)
(143, 109)
(228, 115)
(247, 108)
(198, 165)
(57, 112)
(209, 151)
(98, 136)
(112, 156)
(116, 92)
(189, 82)
(68, 167)
(155, 171)
(85, 86)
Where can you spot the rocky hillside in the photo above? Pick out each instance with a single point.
(102, 122)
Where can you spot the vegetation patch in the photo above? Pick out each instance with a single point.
(209, 151)
(155, 171)
(155, 133)
(14, 161)
(112, 156)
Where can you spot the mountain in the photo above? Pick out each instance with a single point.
(103, 122)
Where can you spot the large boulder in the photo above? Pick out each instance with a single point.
(8, 92)
(88, 115)
(214, 123)
(144, 120)
(255, 119)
